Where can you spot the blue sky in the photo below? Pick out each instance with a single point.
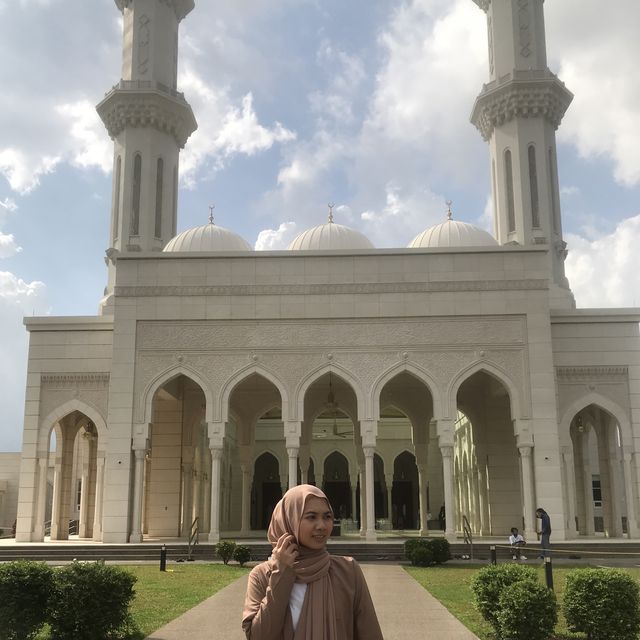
(299, 103)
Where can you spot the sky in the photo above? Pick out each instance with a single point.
(363, 103)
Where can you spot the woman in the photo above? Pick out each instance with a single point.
(301, 592)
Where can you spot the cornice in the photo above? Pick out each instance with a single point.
(329, 289)
(527, 94)
(143, 104)
(71, 380)
(180, 7)
(592, 373)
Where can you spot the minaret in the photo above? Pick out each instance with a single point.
(149, 122)
(518, 112)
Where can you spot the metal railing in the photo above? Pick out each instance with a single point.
(193, 539)
(467, 535)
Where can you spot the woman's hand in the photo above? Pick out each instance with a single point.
(285, 553)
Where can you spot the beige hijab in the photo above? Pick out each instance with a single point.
(318, 617)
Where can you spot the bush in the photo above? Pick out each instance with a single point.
(603, 603)
(527, 611)
(489, 583)
(90, 601)
(441, 550)
(242, 554)
(24, 598)
(410, 546)
(225, 550)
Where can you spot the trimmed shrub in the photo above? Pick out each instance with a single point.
(441, 550)
(527, 611)
(410, 546)
(225, 550)
(242, 554)
(90, 601)
(422, 556)
(603, 603)
(24, 598)
(489, 583)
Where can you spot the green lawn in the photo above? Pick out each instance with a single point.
(451, 586)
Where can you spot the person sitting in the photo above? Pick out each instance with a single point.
(516, 541)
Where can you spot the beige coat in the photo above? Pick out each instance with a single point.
(267, 616)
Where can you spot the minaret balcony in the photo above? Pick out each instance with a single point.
(181, 7)
(526, 94)
(142, 103)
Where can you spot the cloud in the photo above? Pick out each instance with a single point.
(8, 204)
(8, 246)
(23, 170)
(273, 239)
(604, 272)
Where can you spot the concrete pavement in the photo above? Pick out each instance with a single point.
(404, 608)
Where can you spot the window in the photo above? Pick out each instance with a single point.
(511, 206)
(596, 489)
(533, 187)
(137, 186)
(159, 177)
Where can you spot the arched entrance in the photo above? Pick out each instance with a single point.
(266, 491)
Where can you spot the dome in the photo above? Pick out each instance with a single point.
(330, 236)
(208, 238)
(453, 233)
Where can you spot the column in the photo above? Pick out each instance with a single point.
(572, 500)
(216, 458)
(590, 528)
(632, 517)
(353, 480)
(187, 496)
(388, 481)
(616, 490)
(41, 501)
(57, 497)
(449, 499)
(303, 459)
(197, 500)
(422, 495)
(205, 521)
(527, 491)
(138, 484)
(84, 499)
(292, 452)
(368, 460)
(97, 514)
(485, 525)
(246, 499)
(363, 500)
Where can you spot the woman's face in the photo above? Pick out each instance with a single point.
(316, 524)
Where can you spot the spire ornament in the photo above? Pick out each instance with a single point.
(211, 208)
(331, 205)
(449, 212)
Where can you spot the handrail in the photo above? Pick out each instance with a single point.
(468, 535)
(193, 538)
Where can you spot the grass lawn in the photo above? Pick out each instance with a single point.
(451, 585)
(163, 596)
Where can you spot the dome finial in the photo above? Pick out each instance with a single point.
(211, 208)
(331, 205)
(449, 212)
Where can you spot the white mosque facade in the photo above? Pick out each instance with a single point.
(456, 371)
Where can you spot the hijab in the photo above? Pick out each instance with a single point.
(318, 616)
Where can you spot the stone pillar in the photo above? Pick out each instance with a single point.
(370, 501)
(528, 497)
(449, 490)
(303, 459)
(615, 472)
(97, 514)
(353, 480)
(363, 500)
(246, 499)
(197, 499)
(572, 501)
(205, 522)
(216, 458)
(388, 481)
(292, 452)
(138, 486)
(84, 500)
(422, 497)
(187, 496)
(632, 516)
(57, 498)
(41, 500)
(587, 482)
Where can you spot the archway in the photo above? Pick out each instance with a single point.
(266, 491)
(336, 485)
(405, 505)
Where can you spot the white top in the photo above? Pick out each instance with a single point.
(296, 600)
(453, 233)
(330, 236)
(208, 238)
(516, 539)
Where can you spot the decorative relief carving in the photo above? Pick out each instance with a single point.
(600, 373)
(289, 335)
(331, 289)
(74, 380)
(53, 397)
(524, 19)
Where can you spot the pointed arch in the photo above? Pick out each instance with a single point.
(89, 410)
(222, 408)
(169, 374)
(297, 409)
(491, 370)
(404, 367)
(611, 407)
(282, 465)
(350, 463)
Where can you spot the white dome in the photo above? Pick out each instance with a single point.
(330, 236)
(208, 238)
(453, 233)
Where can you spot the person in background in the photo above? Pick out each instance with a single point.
(545, 531)
(516, 541)
(442, 518)
(302, 591)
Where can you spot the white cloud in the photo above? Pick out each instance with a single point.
(92, 145)
(8, 204)
(23, 170)
(8, 246)
(273, 239)
(604, 272)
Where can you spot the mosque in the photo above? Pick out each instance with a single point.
(454, 372)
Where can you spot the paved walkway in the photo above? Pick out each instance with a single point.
(404, 608)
